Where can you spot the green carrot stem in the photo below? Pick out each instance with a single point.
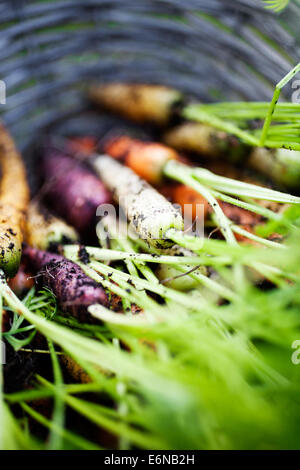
(58, 417)
(103, 420)
(256, 208)
(239, 188)
(127, 292)
(222, 291)
(124, 244)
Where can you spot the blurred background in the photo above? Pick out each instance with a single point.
(51, 50)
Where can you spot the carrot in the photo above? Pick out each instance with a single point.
(44, 230)
(73, 289)
(22, 282)
(280, 165)
(83, 144)
(147, 159)
(5, 320)
(73, 190)
(75, 370)
(138, 102)
(14, 198)
(187, 198)
(205, 140)
(148, 212)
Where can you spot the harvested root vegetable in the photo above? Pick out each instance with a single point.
(22, 281)
(14, 198)
(141, 103)
(280, 165)
(75, 370)
(44, 230)
(147, 159)
(213, 188)
(190, 200)
(73, 289)
(73, 190)
(84, 145)
(149, 213)
(205, 140)
(187, 198)
(5, 320)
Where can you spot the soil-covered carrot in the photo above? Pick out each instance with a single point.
(44, 230)
(14, 198)
(74, 369)
(205, 140)
(73, 190)
(147, 159)
(82, 144)
(73, 289)
(280, 165)
(148, 211)
(138, 102)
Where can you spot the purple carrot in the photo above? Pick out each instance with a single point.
(72, 189)
(73, 289)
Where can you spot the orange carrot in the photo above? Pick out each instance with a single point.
(147, 159)
(241, 217)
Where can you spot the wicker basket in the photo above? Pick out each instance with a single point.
(211, 49)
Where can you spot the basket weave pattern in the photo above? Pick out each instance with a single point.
(211, 49)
